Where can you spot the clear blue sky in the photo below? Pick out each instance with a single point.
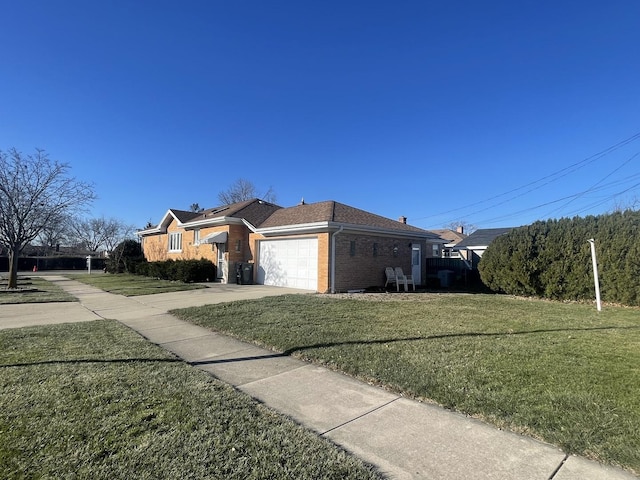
(486, 112)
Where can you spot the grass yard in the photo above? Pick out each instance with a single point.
(131, 285)
(94, 400)
(559, 372)
(33, 290)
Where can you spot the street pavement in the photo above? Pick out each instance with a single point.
(405, 439)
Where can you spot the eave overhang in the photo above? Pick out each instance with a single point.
(208, 222)
(330, 227)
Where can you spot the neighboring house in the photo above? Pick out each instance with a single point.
(325, 246)
(451, 239)
(218, 234)
(472, 247)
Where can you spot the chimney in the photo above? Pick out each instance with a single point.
(460, 229)
(403, 219)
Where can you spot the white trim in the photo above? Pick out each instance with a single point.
(250, 226)
(211, 222)
(169, 242)
(318, 227)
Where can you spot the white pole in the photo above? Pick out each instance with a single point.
(595, 273)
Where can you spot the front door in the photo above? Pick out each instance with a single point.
(416, 264)
(221, 272)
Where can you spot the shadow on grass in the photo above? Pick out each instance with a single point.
(241, 359)
(452, 335)
(87, 361)
(291, 351)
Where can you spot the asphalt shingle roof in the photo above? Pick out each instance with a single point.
(451, 236)
(266, 215)
(335, 212)
(254, 211)
(483, 237)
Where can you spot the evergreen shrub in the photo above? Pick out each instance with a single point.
(126, 257)
(552, 259)
(180, 270)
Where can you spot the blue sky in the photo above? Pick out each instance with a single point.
(493, 113)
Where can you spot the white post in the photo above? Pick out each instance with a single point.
(89, 264)
(595, 273)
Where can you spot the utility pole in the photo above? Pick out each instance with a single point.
(595, 272)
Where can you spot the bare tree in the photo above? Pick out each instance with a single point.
(55, 233)
(96, 233)
(116, 232)
(242, 190)
(34, 191)
(88, 232)
(196, 208)
(620, 205)
(465, 226)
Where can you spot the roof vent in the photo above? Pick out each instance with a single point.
(302, 202)
(403, 219)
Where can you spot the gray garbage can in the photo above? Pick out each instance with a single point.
(246, 275)
(446, 277)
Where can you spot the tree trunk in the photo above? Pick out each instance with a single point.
(14, 254)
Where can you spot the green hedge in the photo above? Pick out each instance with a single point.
(552, 259)
(181, 270)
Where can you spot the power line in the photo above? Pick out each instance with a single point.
(589, 190)
(542, 182)
(573, 197)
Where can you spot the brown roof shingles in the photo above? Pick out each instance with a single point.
(183, 215)
(265, 215)
(335, 212)
(254, 211)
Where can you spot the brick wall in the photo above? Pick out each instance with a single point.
(361, 264)
(156, 247)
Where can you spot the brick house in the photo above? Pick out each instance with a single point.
(324, 247)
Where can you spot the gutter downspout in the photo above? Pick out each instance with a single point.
(333, 258)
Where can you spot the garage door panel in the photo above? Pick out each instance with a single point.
(289, 263)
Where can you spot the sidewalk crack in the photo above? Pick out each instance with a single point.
(555, 472)
(360, 416)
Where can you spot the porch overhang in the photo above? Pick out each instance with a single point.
(215, 237)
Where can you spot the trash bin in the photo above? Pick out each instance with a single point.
(446, 278)
(239, 273)
(247, 274)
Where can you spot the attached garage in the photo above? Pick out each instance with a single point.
(289, 263)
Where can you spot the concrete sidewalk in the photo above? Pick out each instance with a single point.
(403, 438)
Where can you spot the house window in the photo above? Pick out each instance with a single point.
(375, 249)
(238, 245)
(352, 248)
(435, 250)
(175, 242)
(196, 236)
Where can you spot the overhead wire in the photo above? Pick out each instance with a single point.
(542, 182)
(608, 198)
(589, 190)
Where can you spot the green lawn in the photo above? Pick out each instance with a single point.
(559, 372)
(132, 285)
(33, 290)
(95, 400)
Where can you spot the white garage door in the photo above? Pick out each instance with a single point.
(289, 263)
